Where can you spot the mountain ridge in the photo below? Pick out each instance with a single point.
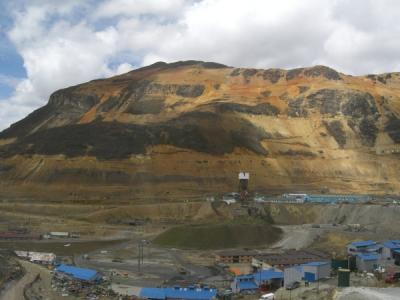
(285, 123)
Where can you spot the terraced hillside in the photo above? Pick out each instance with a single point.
(185, 129)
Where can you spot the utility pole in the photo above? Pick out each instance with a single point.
(318, 281)
(140, 256)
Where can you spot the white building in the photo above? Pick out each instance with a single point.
(59, 234)
(292, 274)
(314, 271)
(367, 262)
(389, 247)
(37, 257)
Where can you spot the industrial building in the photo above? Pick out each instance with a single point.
(389, 248)
(59, 234)
(235, 257)
(76, 273)
(18, 235)
(323, 198)
(367, 262)
(310, 272)
(288, 259)
(270, 279)
(170, 293)
(363, 247)
(292, 274)
(314, 271)
(37, 257)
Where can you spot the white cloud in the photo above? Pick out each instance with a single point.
(69, 42)
(9, 81)
(163, 9)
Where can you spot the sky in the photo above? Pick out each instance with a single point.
(46, 45)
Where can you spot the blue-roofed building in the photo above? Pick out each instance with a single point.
(367, 262)
(77, 273)
(389, 247)
(269, 279)
(314, 271)
(184, 293)
(310, 272)
(396, 256)
(363, 247)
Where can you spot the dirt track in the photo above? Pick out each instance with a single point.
(16, 291)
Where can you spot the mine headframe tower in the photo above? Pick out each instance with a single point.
(243, 186)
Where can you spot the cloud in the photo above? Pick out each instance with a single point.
(69, 42)
(9, 81)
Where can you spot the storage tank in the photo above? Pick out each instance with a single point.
(343, 277)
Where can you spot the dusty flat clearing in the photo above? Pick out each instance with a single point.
(364, 293)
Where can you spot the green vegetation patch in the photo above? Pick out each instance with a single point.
(219, 236)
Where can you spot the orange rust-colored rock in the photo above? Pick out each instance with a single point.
(185, 129)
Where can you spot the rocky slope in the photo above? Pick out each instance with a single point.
(185, 129)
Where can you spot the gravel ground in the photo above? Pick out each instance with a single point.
(364, 293)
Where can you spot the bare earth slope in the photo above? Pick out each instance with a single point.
(187, 128)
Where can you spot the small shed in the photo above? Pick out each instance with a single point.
(367, 261)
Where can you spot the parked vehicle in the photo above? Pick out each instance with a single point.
(269, 296)
(293, 285)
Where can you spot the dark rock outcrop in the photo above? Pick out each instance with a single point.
(113, 140)
(335, 129)
(291, 74)
(296, 108)
(324, 71)
(259, 109)
(393, 129)
(273, 75)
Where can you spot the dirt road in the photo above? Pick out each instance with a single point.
(41, 287)
(296, 237)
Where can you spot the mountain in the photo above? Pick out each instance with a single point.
(186, 129)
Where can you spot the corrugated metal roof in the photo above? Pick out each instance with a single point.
(152, 293)
(264, 275)
(190, 293)
(392, 244)
(247, 285)
(268, 275)
(316, 263)
(292, 257)
(369, 256)
(363, 243)
(78, 273)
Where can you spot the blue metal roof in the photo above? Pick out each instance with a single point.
(316, 263)
(247, 285)
(392, 244)
(363, 243)
(152, 293)
(78, 273)
(266, 275)
(245, 277)
(369, 256)
(178, 293)
(375, 248)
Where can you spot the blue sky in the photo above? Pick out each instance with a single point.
(11, 63)
(46, 45)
